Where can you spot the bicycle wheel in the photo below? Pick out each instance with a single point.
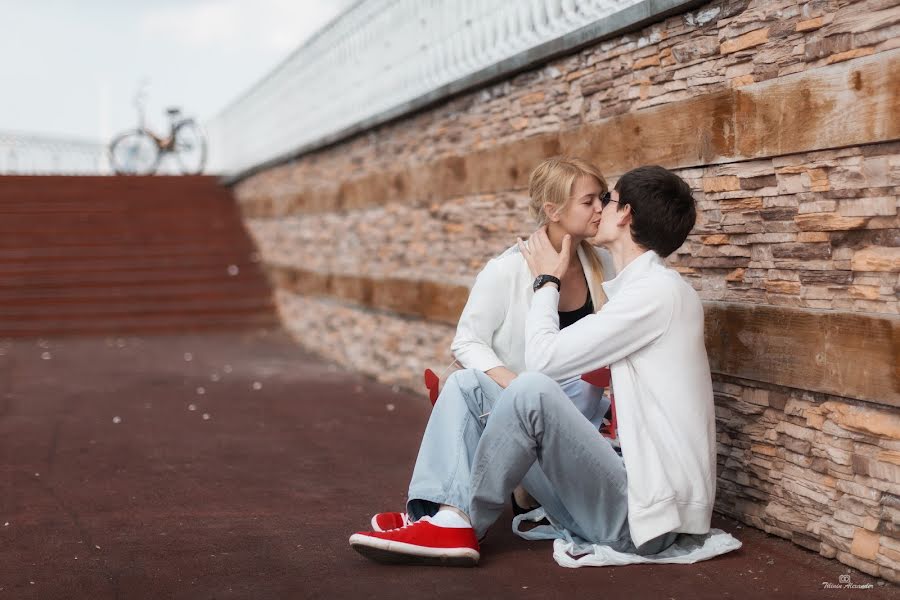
(134, 153)
(190, 147)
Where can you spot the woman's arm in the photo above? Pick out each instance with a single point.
(482, 316)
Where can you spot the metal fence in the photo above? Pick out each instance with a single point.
(385, 58)
(28, 154)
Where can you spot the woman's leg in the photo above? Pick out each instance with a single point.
(442, 471)
(535, 420)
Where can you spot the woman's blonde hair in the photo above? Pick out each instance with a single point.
(552, 182)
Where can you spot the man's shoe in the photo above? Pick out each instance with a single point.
(389, 520)
(421, 543)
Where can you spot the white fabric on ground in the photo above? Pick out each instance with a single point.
(572, 552)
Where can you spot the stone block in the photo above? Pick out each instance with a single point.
(695, 48)
(840, 457)
(817, 206)
(802, 251)
(795, 431)
(848, 517)
(819, 496)
(860, 564)
(868, 207)
(721, 184)
(801, 460)
(748, 40)
(849, 54)
(829, 222)
(783, 287)
(879, 422)
(799, 446)
(876, 259)
(865, 544)
(812, 236)
(756, 396)
(643, 63)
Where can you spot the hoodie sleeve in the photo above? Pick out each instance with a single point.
(630, 320)
(482, 316)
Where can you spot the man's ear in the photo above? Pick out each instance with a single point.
(623, 217)
(551, 211)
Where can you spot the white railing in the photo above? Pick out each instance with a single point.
(384, 58)
(28, 154)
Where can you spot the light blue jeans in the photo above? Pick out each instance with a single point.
(535, 435)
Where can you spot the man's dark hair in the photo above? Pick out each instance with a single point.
(663, 210)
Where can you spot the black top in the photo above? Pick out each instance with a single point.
(569, 317)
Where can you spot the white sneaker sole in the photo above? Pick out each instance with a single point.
(390, 552)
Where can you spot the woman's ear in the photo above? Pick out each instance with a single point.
(551, 211)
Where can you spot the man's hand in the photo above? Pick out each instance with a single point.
(542, 257)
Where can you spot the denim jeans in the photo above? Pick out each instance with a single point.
(534, 434)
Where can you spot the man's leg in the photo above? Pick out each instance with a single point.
(535, 420)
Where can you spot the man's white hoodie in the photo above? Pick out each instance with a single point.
(650, 334)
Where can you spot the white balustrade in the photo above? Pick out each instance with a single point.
(383, 58)
(27, 154)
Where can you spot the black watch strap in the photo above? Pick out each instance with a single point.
(542, 280)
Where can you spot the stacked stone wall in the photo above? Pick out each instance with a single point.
(781, 115)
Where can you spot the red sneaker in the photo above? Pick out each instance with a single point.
(389, 520)
(421, 543)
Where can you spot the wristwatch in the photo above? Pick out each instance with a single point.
(544, 279)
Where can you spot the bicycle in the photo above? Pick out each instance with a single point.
(139, 151)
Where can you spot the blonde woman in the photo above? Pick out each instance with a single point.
(490, 345)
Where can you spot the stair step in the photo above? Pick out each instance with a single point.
(124, 326)
(182, 306)
(126, 255)
(130, 263)
(113, 293)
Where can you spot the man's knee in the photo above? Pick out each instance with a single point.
(530, 381)
(530, 389)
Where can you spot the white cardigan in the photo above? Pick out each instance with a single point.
(650, 333)
(491, 329)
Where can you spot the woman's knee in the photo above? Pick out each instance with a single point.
(464, 380)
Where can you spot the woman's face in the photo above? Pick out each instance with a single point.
(581, 217)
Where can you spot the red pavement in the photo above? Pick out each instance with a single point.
(233, 465)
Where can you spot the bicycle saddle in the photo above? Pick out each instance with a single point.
(173, 111)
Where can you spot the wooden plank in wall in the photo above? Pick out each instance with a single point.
(847, 104)
(846, 354)
(850, 103)
(428, 300)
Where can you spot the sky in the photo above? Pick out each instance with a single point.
(71, 68)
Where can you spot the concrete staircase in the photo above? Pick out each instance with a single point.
(125, 255)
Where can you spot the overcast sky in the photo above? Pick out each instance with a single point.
(71, 67)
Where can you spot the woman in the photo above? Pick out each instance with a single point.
(490, 338)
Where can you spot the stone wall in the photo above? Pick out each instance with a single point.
(782, 115)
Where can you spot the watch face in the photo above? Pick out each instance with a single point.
(542, 279)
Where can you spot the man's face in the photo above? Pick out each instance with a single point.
(609, 229)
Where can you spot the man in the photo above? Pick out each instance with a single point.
(650, 333)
